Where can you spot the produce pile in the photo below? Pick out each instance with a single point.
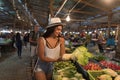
(65, 70)
(109, 64)
(104, 74)
(100, 65)
(99, 57)
(96, 65)
(92, 66)
(82, 55)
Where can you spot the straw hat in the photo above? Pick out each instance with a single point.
(54, 22)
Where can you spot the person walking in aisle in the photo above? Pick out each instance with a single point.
(25, 40)
(50, 49)
(13, 39)
(34, 35)
(18, 42)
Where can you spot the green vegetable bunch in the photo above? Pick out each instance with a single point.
(82, 55)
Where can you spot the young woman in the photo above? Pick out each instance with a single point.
(50, 49)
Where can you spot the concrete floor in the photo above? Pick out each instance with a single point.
(14, 68)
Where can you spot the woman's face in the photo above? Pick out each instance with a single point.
(58, 30)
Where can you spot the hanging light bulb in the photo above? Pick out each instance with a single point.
(68, 18)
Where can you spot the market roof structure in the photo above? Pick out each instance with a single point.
(25, 13)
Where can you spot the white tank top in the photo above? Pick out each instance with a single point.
(53, 53)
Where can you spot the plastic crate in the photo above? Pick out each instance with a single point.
(81, 70)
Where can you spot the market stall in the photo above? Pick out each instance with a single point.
(87, 66)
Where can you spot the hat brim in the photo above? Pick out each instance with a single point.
(55, 24)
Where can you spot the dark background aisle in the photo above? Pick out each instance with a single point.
(13, 68)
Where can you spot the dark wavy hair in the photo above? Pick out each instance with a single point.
(49, 31)
(18, 36)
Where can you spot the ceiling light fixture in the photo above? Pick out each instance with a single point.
(68, 18)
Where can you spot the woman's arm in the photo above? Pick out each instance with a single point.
(41, 51)
(62, 46)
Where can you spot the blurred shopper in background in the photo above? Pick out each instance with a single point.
(13, 39)
(51, 48)
(101, 43)
(18, 42)
(34, 35)
(26, 40)
(94, 38)
(111, 41)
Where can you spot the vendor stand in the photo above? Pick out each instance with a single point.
(4, 45)
(97, 67)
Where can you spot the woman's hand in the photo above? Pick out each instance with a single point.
(66, 57)
(69, 57)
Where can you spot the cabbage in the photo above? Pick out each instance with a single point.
(82, 55)
(88, 54)
(81, 59)
(82, 49)
(75, 52)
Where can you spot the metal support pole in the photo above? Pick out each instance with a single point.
(60, 8)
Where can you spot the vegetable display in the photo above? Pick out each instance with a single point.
(82, 55)
(66, 71)
(96, 65)
(109, 64)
